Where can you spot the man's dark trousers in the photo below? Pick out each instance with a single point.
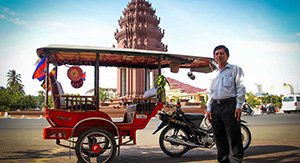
(227, 132)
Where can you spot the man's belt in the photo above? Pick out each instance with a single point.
(223, 101)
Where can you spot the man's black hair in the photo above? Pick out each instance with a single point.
(222, 47)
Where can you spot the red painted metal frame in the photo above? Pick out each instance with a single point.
(129, 129)
(66, 124)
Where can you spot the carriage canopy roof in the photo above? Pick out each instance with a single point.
(121, 57)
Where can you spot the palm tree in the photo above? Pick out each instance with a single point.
(14, 81)
(13, 77)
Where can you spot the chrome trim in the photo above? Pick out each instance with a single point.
(51, 122)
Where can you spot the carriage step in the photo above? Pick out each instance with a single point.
(57, 133)
(70, 146)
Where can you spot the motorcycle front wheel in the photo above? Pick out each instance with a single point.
(246, 136)
(170, 141)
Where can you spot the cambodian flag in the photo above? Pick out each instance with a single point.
(83, 76)
(39, 72)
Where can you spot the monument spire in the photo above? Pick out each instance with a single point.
(138, 29)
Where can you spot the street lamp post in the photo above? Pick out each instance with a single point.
(290, 86)
(259, 87)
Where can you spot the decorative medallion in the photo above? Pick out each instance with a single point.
(77, 84)
(75, 73)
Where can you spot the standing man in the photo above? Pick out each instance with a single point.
(226, 96)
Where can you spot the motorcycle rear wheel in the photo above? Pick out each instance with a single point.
(246, 136)
(173, 149)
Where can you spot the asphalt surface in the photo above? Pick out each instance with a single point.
(275, 138)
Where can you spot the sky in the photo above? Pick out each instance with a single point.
(263, 37)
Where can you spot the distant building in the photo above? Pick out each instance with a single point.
(111, 92)
(186, 92)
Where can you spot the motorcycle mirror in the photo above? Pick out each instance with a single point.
(191, 75)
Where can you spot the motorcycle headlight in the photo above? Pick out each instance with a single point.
(170, 113)
(158, 116)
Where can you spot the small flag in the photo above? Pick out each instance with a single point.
(52, 72)
(83, 76)
(44, 84)
(39, 72)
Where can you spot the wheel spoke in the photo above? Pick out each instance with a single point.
(246, 137)
(170, 141)
(95, 146)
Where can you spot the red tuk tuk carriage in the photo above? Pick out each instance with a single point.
(79, 119)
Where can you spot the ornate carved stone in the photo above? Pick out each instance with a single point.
(139, 30)
(139, 20)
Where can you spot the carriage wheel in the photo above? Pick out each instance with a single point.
(95, 145)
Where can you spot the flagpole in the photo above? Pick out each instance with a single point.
(96, 84)
(46, 78)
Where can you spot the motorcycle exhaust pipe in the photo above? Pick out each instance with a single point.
(181, 142)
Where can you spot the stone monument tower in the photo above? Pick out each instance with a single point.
(138, 30)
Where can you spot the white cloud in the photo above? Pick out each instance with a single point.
(8, 11)
(56, 33)
(11, 17)
(298, 34)
(268, 63)
(267, 47)
(18, 21)
(53, 25)
(265, 62)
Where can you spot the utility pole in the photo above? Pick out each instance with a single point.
(290, 86)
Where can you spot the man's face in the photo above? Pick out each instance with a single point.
(220, 56)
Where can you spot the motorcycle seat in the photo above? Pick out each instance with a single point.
(194, 116)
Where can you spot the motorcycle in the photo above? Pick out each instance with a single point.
(183, 132)
(262, 109)
(269, 109)
(247, 110)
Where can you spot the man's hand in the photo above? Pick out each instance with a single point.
(238, 113)
(208, 116)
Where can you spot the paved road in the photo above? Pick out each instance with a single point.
(275, 139)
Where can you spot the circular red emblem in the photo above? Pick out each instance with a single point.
(77, 84)
(75, 73)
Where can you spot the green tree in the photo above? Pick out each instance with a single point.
(27, 102)
(40, 99)
(13, 77)
(14, 89)
(15, 100)
(103, 94)
(13, 97)
(252, 99)
(276, 100)
(4, 99)
(14, 82)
